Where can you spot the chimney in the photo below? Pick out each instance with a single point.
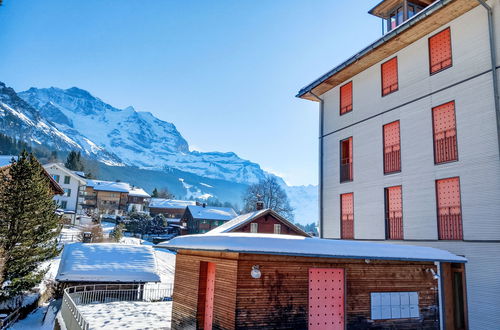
(260, 205)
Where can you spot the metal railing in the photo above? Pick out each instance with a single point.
(394, 223)
(392, 159)
(347, 226)
(345, 170)
(446, 147)
(450, 223)
(105, 293)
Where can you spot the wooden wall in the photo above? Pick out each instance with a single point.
(186, 282)
(266, 226)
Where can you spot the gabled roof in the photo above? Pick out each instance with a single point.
(246, 218)
(138, 192)
(293, 245)
(122, 187)
(107, 262)
(163, 203)
(212, 212)
(67, 171)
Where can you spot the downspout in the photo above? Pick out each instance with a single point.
(493, 53)
(320, 184)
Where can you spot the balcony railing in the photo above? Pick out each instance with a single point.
(76, 296)
(450, 223)
(394, 224)
(346, 170)
(445, 148)
(392, 159)
(347, 226)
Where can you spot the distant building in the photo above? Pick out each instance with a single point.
(74, 187)
(5, 163)
(114, 198)
(264, 221)
(199, 219)
(170, 208)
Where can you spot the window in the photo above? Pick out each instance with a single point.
(394, 305)
(64, 204)
(445, 133)
(393, 213)
(389, 72)
(254, 227)
(56, 178)
(66, 179)
(346, 98)
(67, 192)
(440, 51)
(392, 148)
(277, 228)
(346, 160)
(449, 209)
(347, 216)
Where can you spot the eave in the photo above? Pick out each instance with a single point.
(428, 20)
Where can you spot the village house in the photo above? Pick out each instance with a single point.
(74, 187)
(199, 219)
(262, 281)
(170, 208)
(5, 162)
(409, 142)
(263, 221)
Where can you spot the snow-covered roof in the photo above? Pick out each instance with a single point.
(100, 185)
(64, 169)
(293, 245)
(138, 192)
(212, 212)
(80, 173)
(249, 217)
(6, 160)
(162, 203)
(107, 262)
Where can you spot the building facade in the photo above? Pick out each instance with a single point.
(74, 187)
(200, 219)
(409, 142)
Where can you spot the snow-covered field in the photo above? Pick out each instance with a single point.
(128, 315)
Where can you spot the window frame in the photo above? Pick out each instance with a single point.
(386, 211)
(68, 181)
(353, 218)
(340, 99)
(277, 226)
(437, 209)
(434, 133)
(351, 158)
(382, 77)
(254, 227)
(431, 73)
(400, 149)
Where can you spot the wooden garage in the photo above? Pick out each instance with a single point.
(259, 281)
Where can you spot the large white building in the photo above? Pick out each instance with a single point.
(73, 185)
(409, 143)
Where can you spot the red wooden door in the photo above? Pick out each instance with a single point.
(209, 297)
(326, 298)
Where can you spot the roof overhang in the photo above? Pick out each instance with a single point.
(428, 20)
(385, 7)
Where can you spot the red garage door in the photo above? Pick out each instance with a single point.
(326, 298)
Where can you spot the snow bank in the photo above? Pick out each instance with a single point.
(309, 247)
(107, 262)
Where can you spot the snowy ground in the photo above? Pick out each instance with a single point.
(107, 228)
(41, 318)
(128, 315)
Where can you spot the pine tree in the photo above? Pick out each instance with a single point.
(28, 225)
(155, 193)
(74, 161)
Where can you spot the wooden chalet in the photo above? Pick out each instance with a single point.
(259, 281)
(264, 221)
(200, 219)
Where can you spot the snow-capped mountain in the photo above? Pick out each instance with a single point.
(135, 138)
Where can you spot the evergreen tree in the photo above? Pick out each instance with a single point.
(155, 193)
(74, 161)
(28, 225)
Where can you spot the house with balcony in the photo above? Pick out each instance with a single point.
(409, 144)
(73, 184)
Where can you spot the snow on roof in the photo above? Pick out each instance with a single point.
(107, 262)
(124, 187)
(138, 192)
(79, 173)
(64, 169)
(6, 160)
(162, 203)
(248, 217)
(212, 212)
(293, 245)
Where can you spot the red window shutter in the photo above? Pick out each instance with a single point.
(394, 212)
(346, 160)
(390, 76)
(392, 148)
(449, 209)
(346, 98)
(440, 51)
(445, 133)
(347, 216)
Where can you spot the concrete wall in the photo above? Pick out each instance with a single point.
(469, 83)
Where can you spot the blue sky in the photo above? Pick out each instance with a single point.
(225, 72)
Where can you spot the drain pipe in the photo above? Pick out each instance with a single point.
(320, 185)
(493, 53)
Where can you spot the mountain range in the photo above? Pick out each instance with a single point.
(126, 141)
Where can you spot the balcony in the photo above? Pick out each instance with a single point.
(133, 306)
(394, 226)
(445, 146)
(346, 170)
(450, 223)
(392, 159)
(347, 226)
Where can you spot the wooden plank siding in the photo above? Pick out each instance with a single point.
(279, 299)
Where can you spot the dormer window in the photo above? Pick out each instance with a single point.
(395, 12)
